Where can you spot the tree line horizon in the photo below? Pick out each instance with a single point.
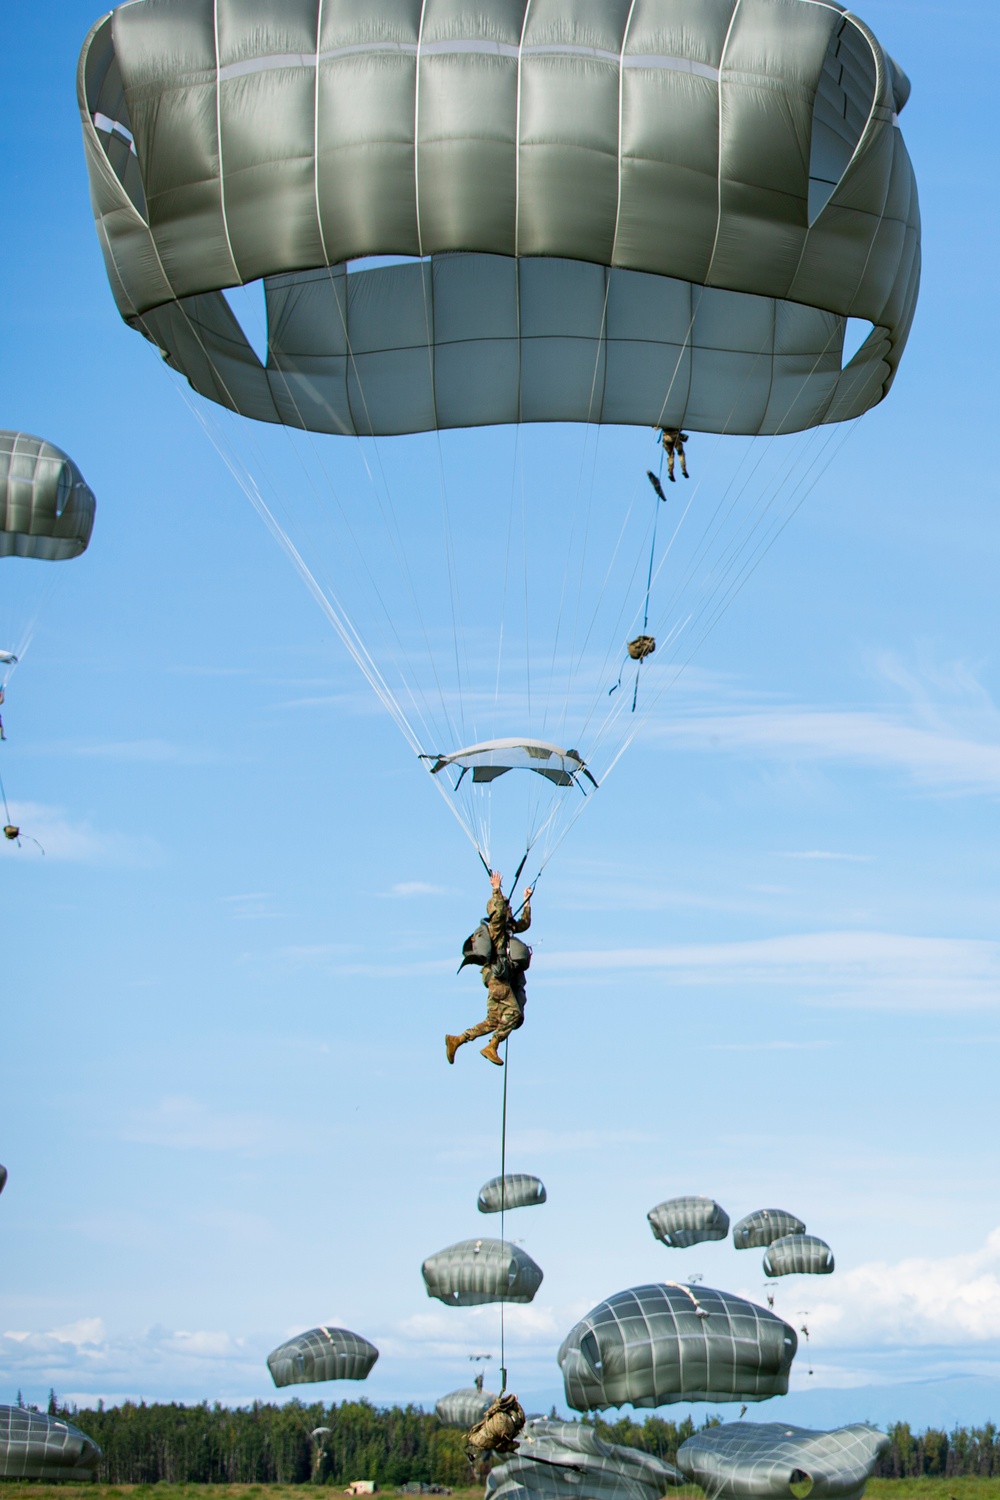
(265, 1443)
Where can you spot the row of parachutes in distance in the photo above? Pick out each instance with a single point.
(734, 1461)
(36, 1446)
(464, 1275)
(788, 1250)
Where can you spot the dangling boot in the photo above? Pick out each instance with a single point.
(490, 1052)
(452, 1044)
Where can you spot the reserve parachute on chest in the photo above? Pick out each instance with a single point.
(478, 247)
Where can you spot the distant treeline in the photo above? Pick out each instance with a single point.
(394, 1445)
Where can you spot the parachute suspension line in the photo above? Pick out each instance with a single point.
(249, 485)
(503, 1202)
(6, 809)
(649, 585)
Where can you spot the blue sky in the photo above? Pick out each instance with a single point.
(766, 960)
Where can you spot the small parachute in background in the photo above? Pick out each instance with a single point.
(657, 1344)
(515, 1190)
(760, 1229)
(46, 508)
(798, 1255)
(322, 1354)
(3, 1177)
(768, 1460)
(563, 1460)
(477, 1271)
(36, 1446)
(464, 1408)
(681, 1222)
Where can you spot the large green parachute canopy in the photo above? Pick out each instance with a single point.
(654, 1345)
(36, 1446)
(477, 1271)
(46, 508)
(798, 1255)
(564, 1460)
(464, 1408)
(760, 1229)
(653, 212)
(515, 1190)
(322, 1354)
(681, 1222)
(764, 1460)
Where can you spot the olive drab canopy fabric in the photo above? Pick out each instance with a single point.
(515, 1190)
(464, 1408)
(654, 1345)
(760, 1229)
(567, 1460)
(681, 1222)
(36, 1446)
(655, 213)
(477, 1271)
(761, 1460)
(322, 1354)
(46, 509)
(798, 1254)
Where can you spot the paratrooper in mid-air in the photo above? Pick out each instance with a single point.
(673, 441)
(503, 960)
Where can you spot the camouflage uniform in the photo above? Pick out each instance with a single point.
(504, 984)
(673, 441)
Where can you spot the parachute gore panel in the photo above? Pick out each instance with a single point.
(36, 1446)
(762, 1460)
(798, 1254)
(477, 1271)
(322, 1354)
(759, 1229)
(654, 1345)
(46, 508)
(566, 1461)
(657, 214)
(515, 1190)
(680, 1222)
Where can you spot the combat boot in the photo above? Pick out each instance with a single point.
(490, 1053)
(452, 1044)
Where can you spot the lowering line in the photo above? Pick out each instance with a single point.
(503, 1204)
(658, 487)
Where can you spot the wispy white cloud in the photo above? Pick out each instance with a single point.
(184, 1124)
(148, 752)
(407, 888)
(823, 854)
(946, 1301)
(51, 830)
(944, 734)
(871, 969)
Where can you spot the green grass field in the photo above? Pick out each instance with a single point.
(878, 1489)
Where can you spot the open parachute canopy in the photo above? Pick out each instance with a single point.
(514, 1190)
(762, 1228)
(654, 1345)
(322, 1354)
(464, 1408)
(36, 1446)
(400, 221)
(564, 1460)
(654, 191)
(798, 1255)
(46, 508)
(770, 1461)
(477, 1271)
(681, 1222)
(3, 1177)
